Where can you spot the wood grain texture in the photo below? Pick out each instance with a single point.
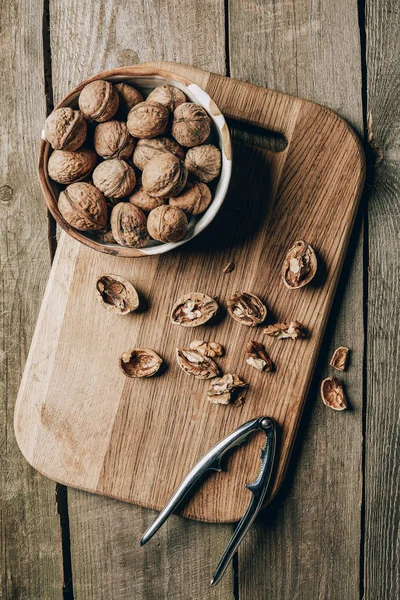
(119, 437)
(306, 546)
(382, 479)
(30, 547)
(87, 38)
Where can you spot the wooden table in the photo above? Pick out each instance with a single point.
(333, 533)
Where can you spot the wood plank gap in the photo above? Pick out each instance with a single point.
(227, 40)
(62, 509)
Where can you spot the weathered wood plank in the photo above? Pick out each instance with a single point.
(106, 559)
(31, 560)
(382, 439)
(307, 546)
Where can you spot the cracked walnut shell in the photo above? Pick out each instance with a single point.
(333, 394)
(193, 309)
(65, 129)
(128, 225)
(128, 98)
(147, 119)
(195, 199)
(204, 162)
(113, 140)
(83, 206)
(99, 100)
(191, 125)
(148, 148)
(247, 309)
(167, 95)
(115, 178)
(164, 176)
(117, 294)
(67, 166)
(167, 224)
(197, 364)
(300, 265)
(340, 358)
(140, 362)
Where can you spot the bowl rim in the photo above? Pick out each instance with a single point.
(225, 145)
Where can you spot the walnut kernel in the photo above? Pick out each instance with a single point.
(164, 176)
(83, 206)
(204, 162)
(210, 349)
(113, 140)
(140, 362)
(128, 224)
(246, 309)
(257, 356)
(195, 199)
(115, 178)
(193, 309)
(226, 389)
(65, 129)
(300, 265)
(191, 125)
(148, 148)
(281, 331)
(333, 394)
(67, 166)
(147, 119)
(167, 224)
(117, 294)
(167, 95)
(195, 363)
(98, 100)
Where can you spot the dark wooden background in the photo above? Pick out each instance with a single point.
(333, 533)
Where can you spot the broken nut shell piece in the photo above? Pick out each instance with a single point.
(300, 265)
(211, 349)
(227, 389)
(340, 358)
(193, 309)
(246, 309)
(140, 362)
(282, 331)
(195, 363)
(117, 294)
(333, 394)
(257, 356)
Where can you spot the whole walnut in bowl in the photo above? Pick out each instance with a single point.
(147, 119)
(168, 95)
(83, 206)
(115, 178)
(66, 166)
(128, 225)
(191, 125)
(128, 98)
(164, 176)
(99, 100)
(112, 140)
(143, 200)
(65, 129)
(146, 149)
(167, 224)
(204, 162)
(195, 198)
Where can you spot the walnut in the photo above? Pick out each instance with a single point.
(117, 294)
(204, 162)
(191, 125)
(246, 309)
(167, 224)
(65, 129)
(333, 394)
(194, 363)
(128, 98)
(83, 206)
(147, 119)
(210, 349)
(140, 362)
(300, 265)
(143, 200)
(113, 140)
(195, 199)
(98, 101)
(128, 224)
(105, 235)
(164, 176)
(339, 358)
(281, 331)
(115, 178)
(67, 166)
(168, 96)
(193, 309)
(226, 389)
(146, 149)
(257, 356)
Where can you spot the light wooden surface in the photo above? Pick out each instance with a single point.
(309, 546)
(136, 439)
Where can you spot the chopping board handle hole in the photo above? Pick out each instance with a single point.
(257, 136)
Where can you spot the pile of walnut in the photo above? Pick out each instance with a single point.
(134, 169)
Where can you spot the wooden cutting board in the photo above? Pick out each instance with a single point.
(79, 421)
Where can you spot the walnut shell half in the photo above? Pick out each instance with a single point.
(67, 166)
(340, 358)
(147, 119)
(332, 393)
(113, 140)
(65, 129)
(167, 95)
(140, 362)
(99, 100)
(117, 294)
(167, 224)
(300, 265)
(247, 309)
(148, 148)
(195, 199)
(197, 364)
(204, 162)
(164, 176)
(83, 206)
(191, 125)
(115, 178)
(193, 309)
(128, 225)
